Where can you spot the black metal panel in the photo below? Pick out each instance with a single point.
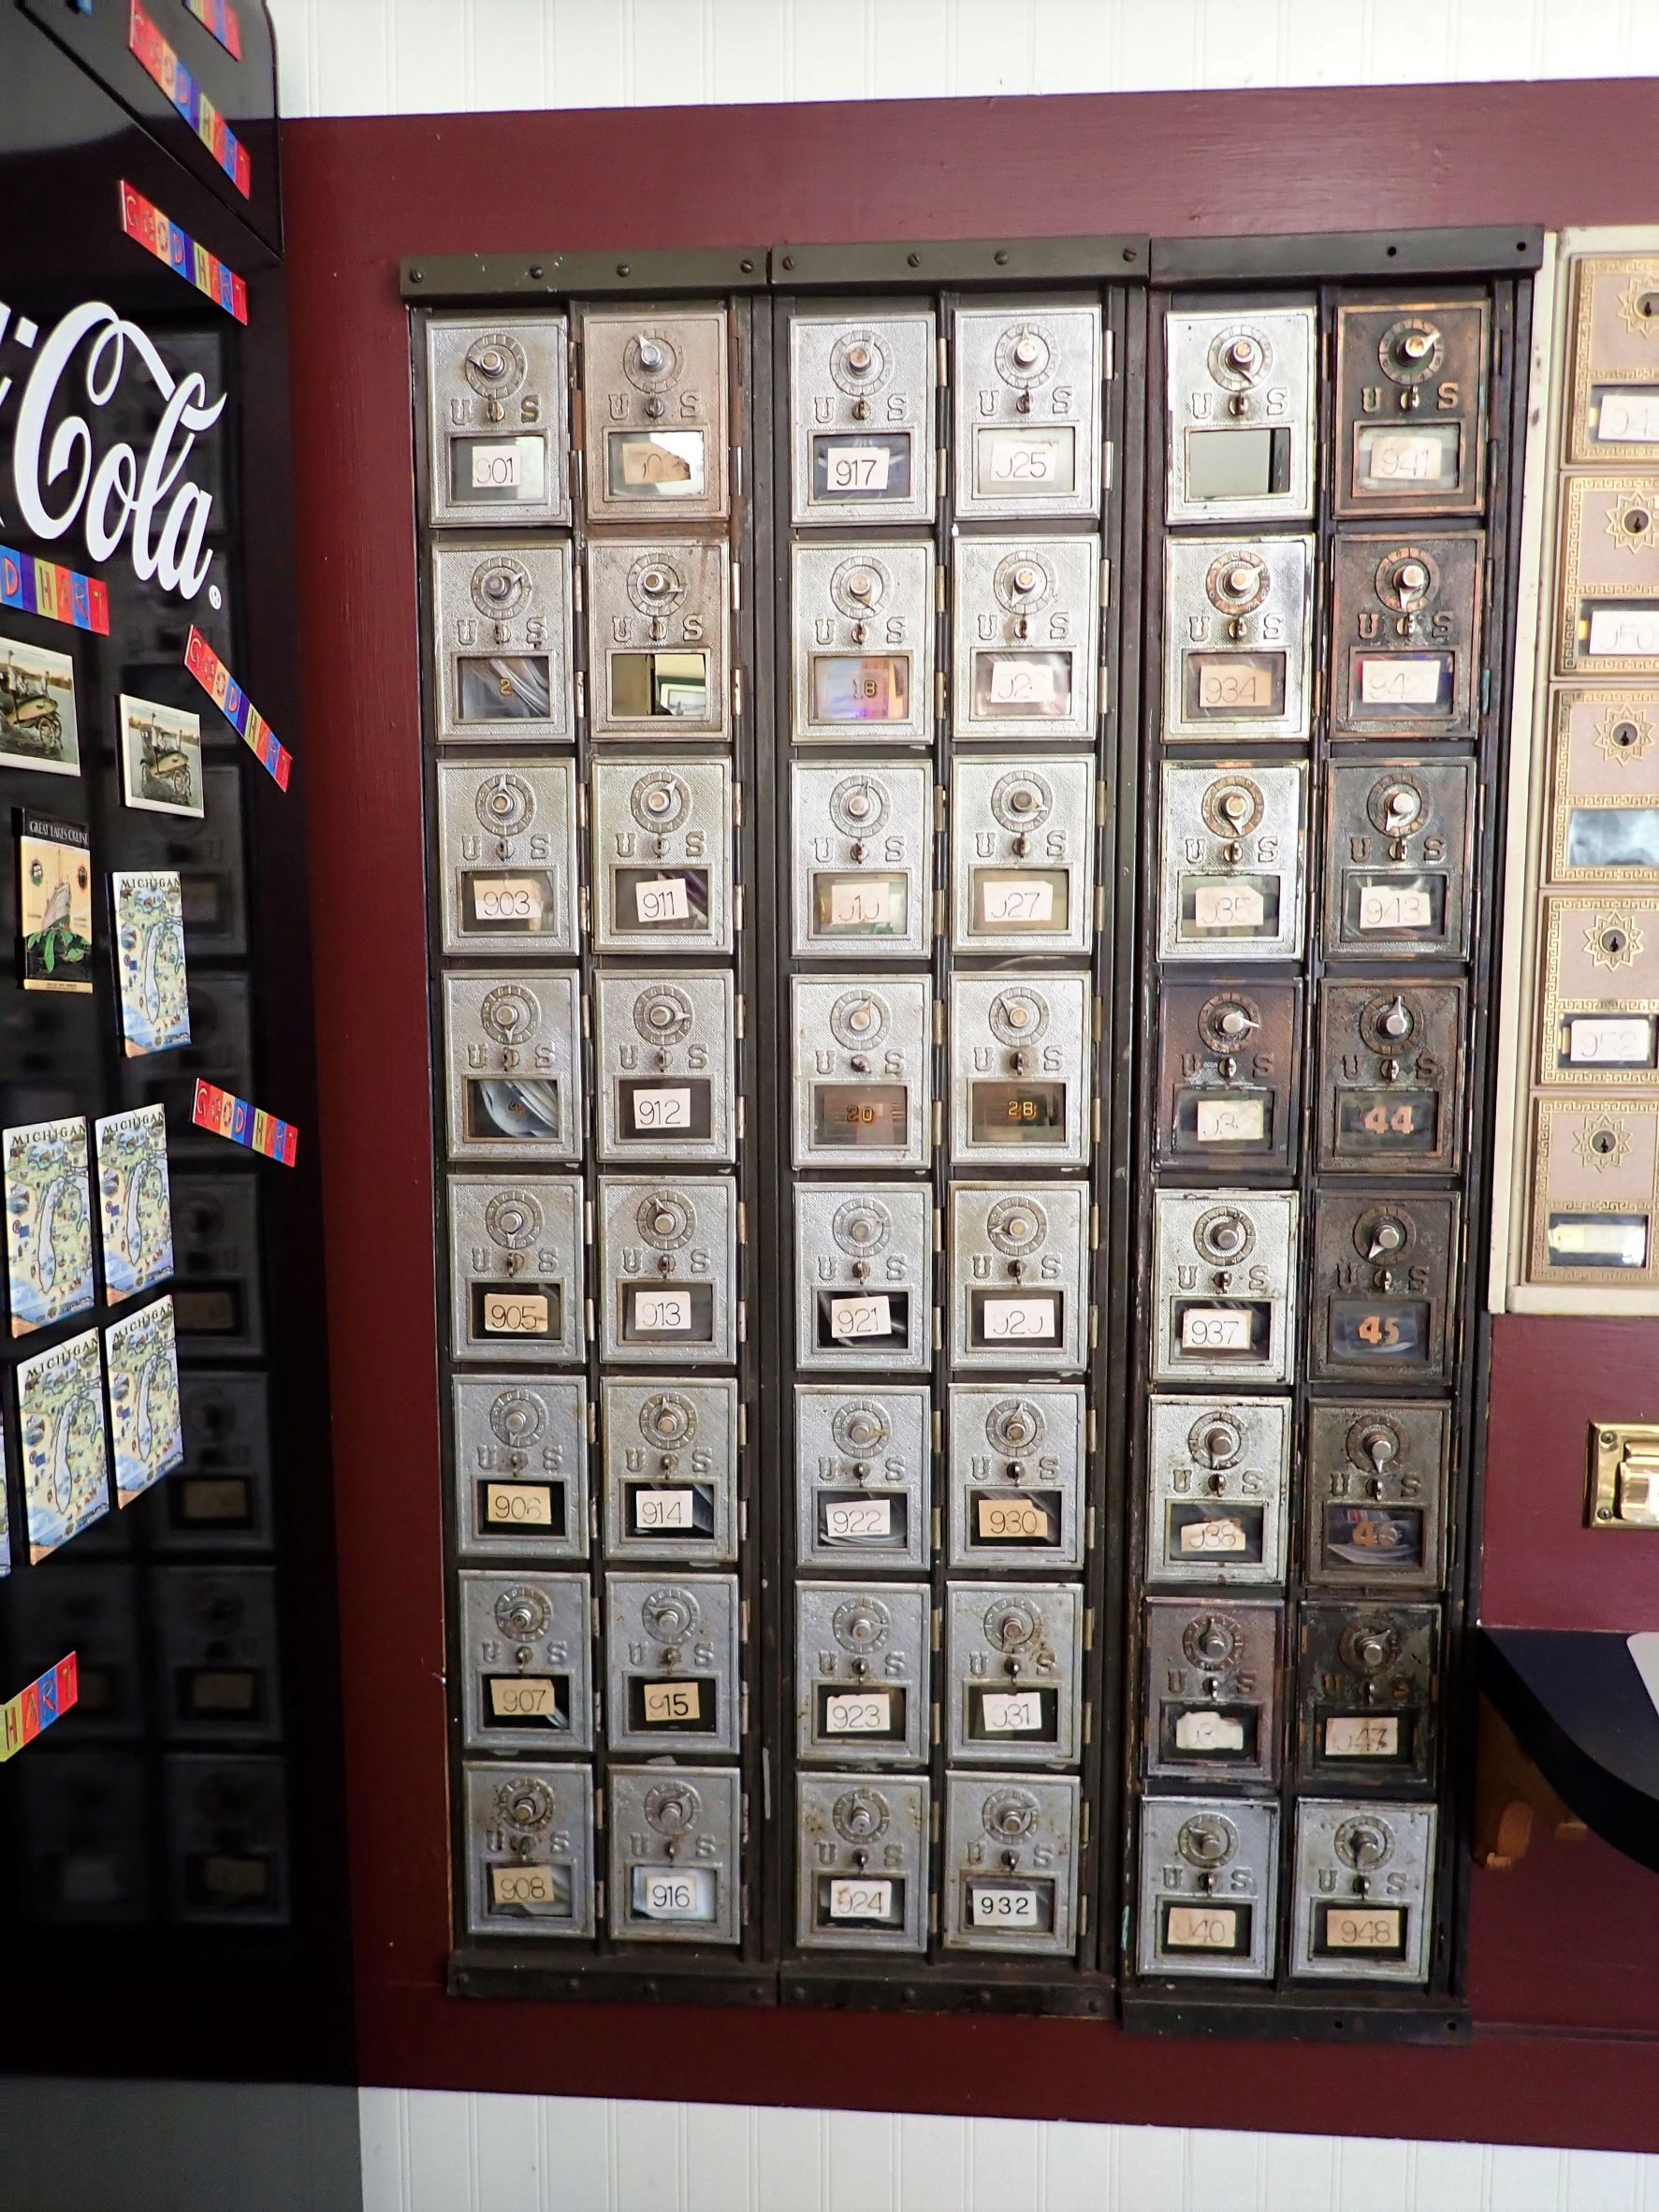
(163, 1860)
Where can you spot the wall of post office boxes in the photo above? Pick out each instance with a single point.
(964, 797)
(1580, 1082)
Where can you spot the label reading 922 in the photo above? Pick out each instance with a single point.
(859, 1517)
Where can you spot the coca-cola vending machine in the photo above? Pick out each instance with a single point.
(168, 1798)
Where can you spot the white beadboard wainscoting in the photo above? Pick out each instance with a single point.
(431, 2152)
(408, 57)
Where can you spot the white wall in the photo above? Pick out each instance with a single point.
(439, 2153)
(401, 57)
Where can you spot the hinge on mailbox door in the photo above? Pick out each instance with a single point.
(584, 918)
(737, 693)
(742, 1321)
(1108, 355)
(587, 1221)
(740, 1015)
(576, 587)
(1106, 452)
(737, 587)
(581, 694)
(743, 1116)
(742, 1425)
(737, 472)
(743, 1221)
(738, 910)
(1105, 583)
(944, 364)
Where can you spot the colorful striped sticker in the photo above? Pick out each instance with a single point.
(238, 709)
(227, 1115)
(48, 1698)
(143, 220)
(163, 65)
(42, 588)
(219, 17)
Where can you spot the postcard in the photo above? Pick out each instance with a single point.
(160, 757)
(60, 1404)
(48, 1246)
(149, 917)
(55, 893)
(143, 1367)
(135, 1201)
(38, 728)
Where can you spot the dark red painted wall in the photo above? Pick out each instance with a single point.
(1565, 1958)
